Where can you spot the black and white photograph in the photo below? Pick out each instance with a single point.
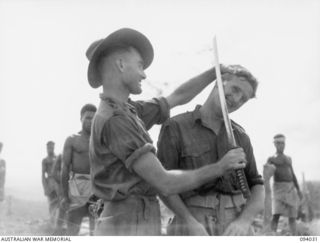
(159, 118)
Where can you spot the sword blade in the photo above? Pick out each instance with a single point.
(222, 98)
(227, 122)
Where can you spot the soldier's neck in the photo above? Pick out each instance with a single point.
(115, 90)
(210, 118)
(85, 133)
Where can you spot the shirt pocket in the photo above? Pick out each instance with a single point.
(195, 156)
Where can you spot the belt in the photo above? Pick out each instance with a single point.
(216, 199)
(144, 200)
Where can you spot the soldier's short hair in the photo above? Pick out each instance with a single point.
(88, 107)
(241, 71)
(50, 143)
(279, 135)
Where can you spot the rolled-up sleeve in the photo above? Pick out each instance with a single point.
(124, 139)
(251, 171)
(168, 146)
(155, 111)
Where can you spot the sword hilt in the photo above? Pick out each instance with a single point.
(243, 183)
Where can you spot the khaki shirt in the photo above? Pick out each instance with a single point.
(186, 143)
(118, 138)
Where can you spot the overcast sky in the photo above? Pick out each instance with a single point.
(43, 69)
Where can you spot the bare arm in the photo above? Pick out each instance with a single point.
(295, 181)
(57, 169)
(188, 90)
(176, 205)
(66, 166)
(176, 181)
(254, 205)
(43, 176)
(2, 165)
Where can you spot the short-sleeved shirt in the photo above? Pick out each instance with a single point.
(283, 164)
(185, 142)
(118, 138)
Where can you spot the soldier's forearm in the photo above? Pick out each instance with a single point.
(295, 182)
(188, 90)
(177, 206)
(65, 184)
(254, 205)
(174, 181)
(180, 181)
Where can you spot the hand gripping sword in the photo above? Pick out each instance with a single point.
(231, 140)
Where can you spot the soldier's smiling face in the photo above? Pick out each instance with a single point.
(133, 72)
(237, 92)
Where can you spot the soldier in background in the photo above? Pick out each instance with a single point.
(48, 181)
(75, 174)
(285, 187)
(268, 171)
(60, 227)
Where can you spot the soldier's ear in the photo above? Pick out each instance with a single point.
(120, 64)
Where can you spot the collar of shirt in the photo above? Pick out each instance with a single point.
(198, 118)
(197, 114)
(118, 104)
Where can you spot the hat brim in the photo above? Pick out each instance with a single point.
(125, 37)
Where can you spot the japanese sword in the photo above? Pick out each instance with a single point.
(231, 140)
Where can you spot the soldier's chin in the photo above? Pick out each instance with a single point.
(136, 91)
(232, 109)
(88, 129)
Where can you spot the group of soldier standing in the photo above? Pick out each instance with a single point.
(66, 179)
(112, 173)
